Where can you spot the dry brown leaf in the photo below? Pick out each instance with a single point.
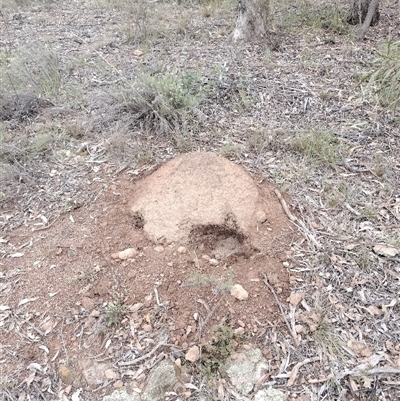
(384, 250)
(22, 396)
(359, 348)
(350, 247)
(353, 385)
(221, 391)
(293, 376)
(374, 310)
(391, 304)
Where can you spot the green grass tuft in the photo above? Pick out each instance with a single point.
(322, 147)
(386, 76)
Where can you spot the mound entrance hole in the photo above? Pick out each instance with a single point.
(219, 241)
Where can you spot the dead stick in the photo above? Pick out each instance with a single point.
(148, 355)
(296, 341)
(285, 206)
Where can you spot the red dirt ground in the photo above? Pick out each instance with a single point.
(68, 275)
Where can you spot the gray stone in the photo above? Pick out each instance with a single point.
(161, 379)
(122, 395)
(93, 372)
(245, 368)
(269, 394)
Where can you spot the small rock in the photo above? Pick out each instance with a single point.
(295, 298)
(95, 313)
(241, 323)
(136, 307)
(159, 248)
(110, 374)
(182, 249)
(269, 394)
(147, 327)
(213, 262)
(239, 330)
(122, 395)
(93, 372)
(205, 257)
(299, 328)
(245, 368)
(118, 384)
(239, 292)
(161, 379)
(148, 299)
(193, 354)
(87, 303)
(125, 254)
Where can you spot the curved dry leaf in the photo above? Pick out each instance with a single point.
(44, 348)
(35, 366)
(27, 300)
(16, 255)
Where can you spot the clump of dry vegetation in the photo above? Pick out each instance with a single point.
(385, 77)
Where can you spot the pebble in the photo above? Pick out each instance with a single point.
(239, 330)
(87, 303)
(182, 249)
(239, 292)
(159, 248)
(147, 327)
(193, 354)
(213, 262)
(125, 254)
(118, 384)
(110, 374)
(295, 298)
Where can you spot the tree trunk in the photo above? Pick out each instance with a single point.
(372, 11)
(252, 21)
(359, 12)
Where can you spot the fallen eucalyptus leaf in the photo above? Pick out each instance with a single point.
(384, 250)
